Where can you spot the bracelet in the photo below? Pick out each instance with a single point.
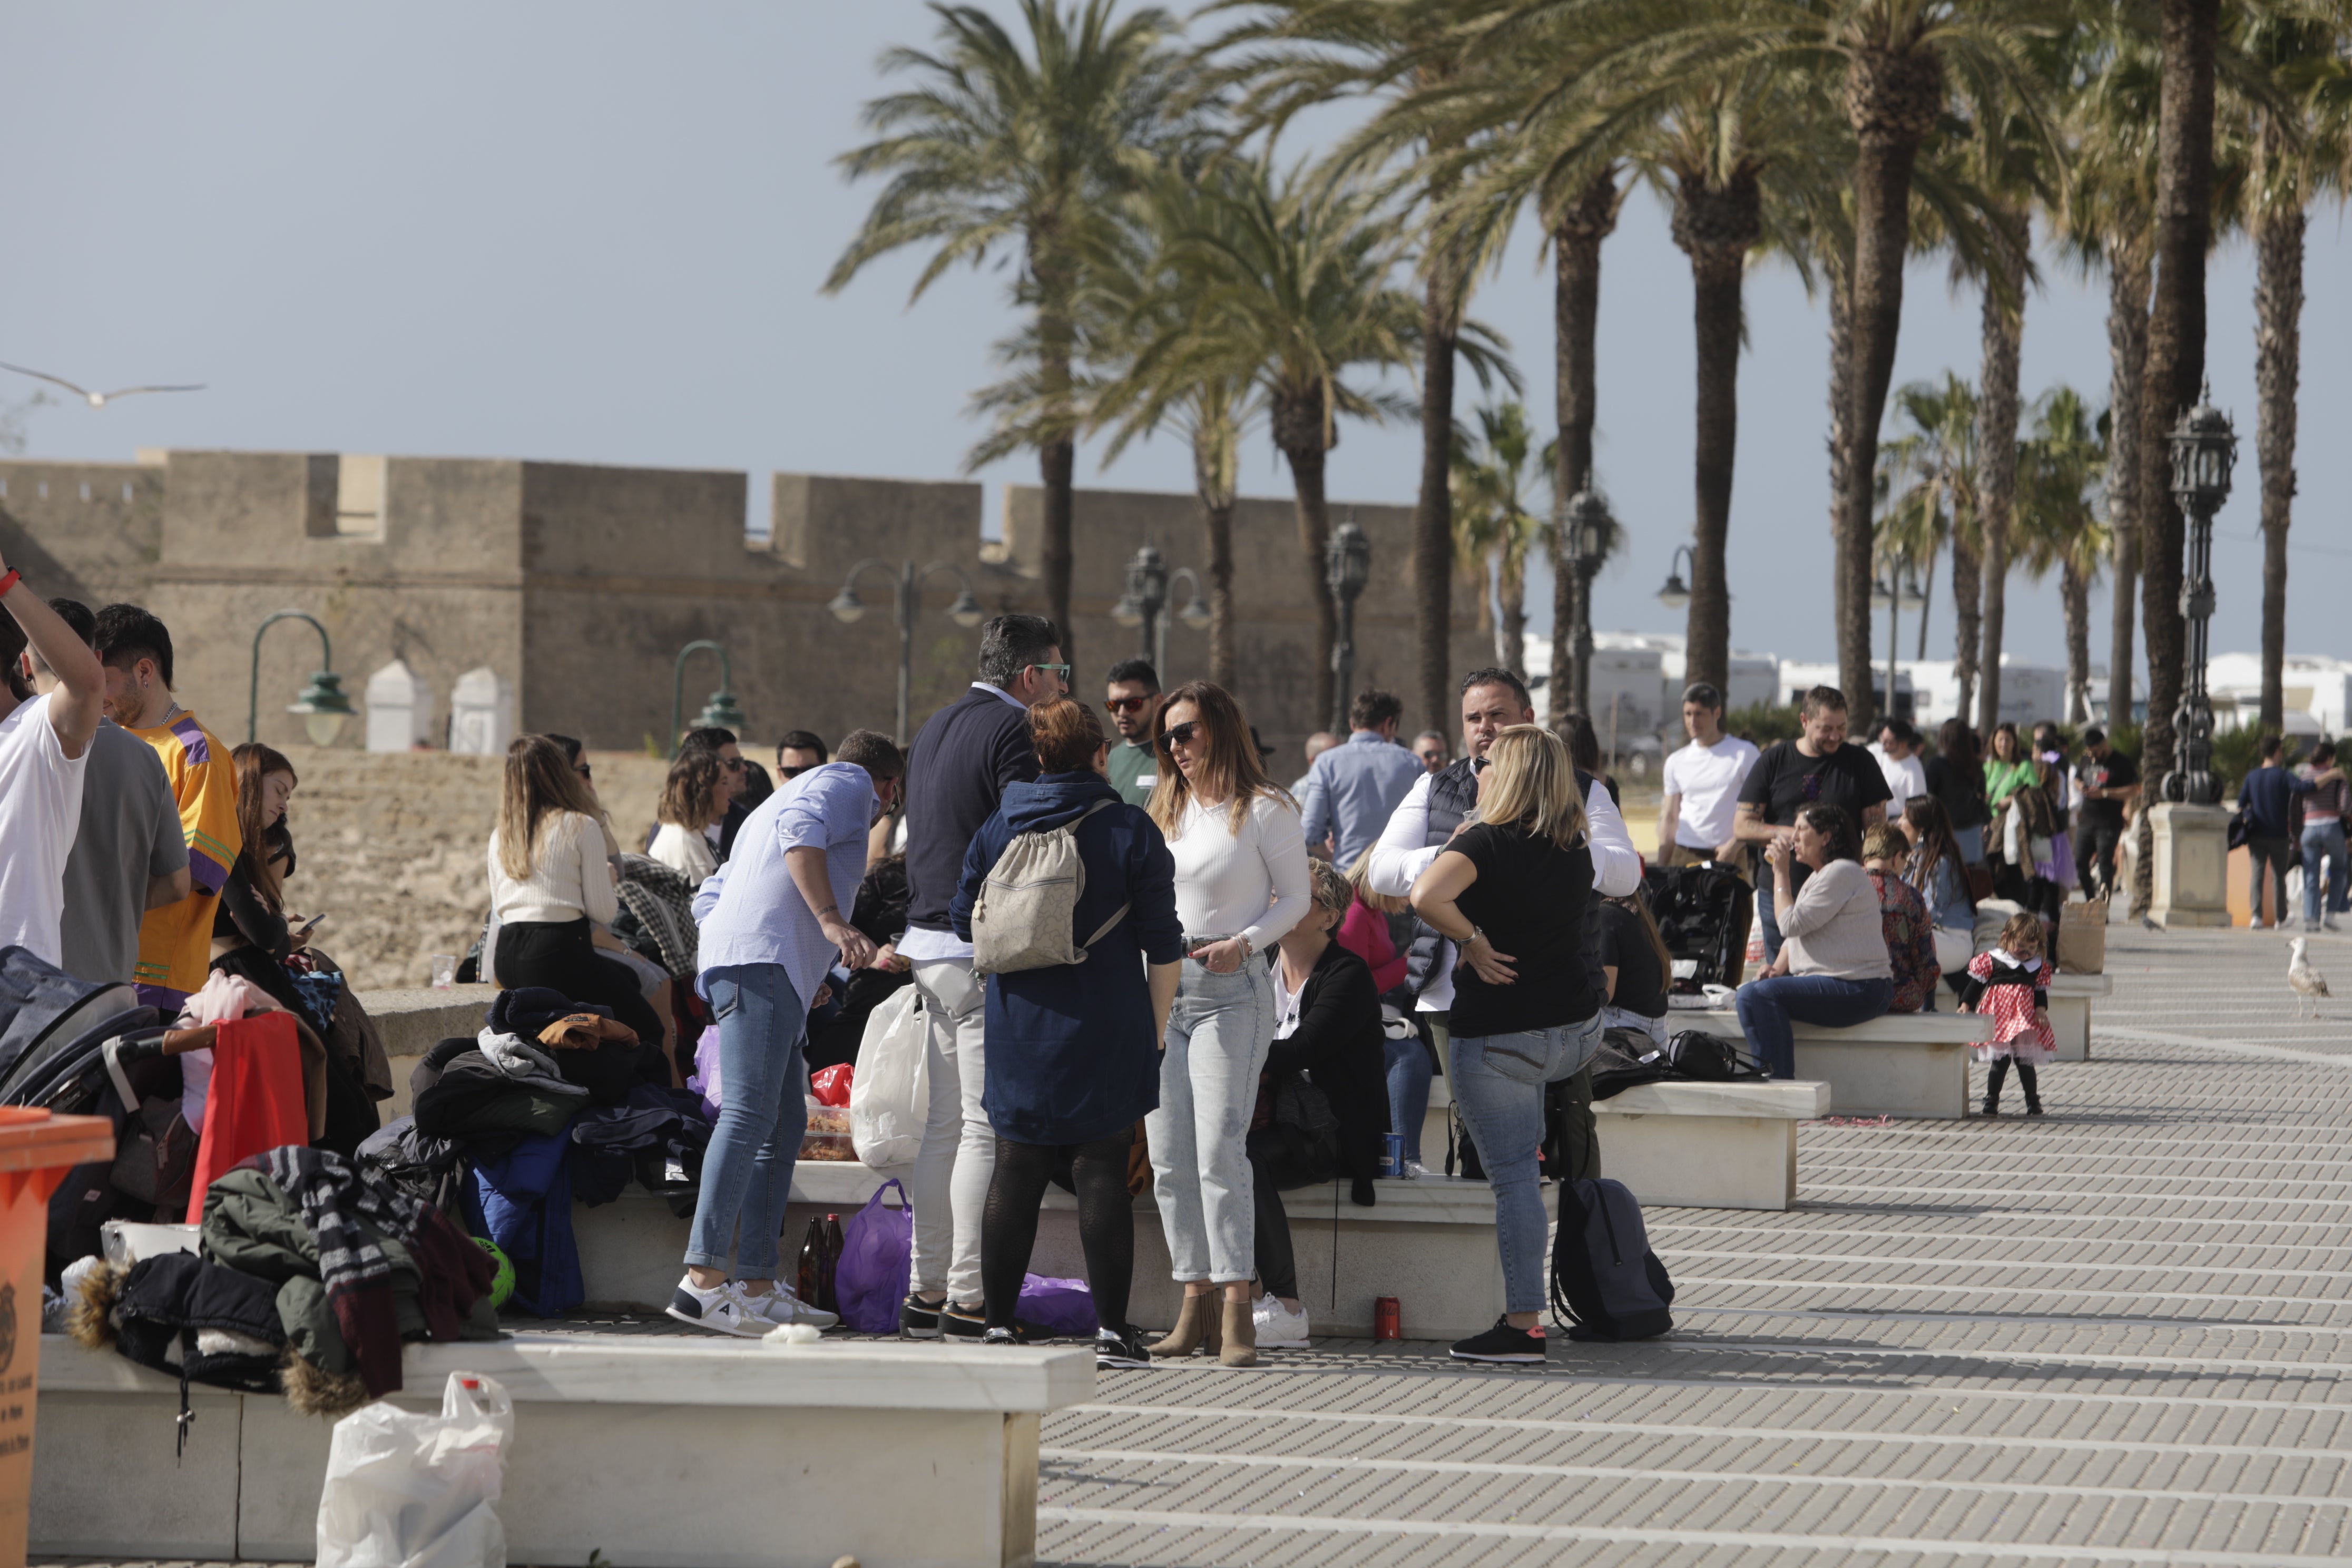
(10, 580)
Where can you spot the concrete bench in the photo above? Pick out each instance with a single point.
(2070, 1013)
(680, 1453)
(414, 1019)
(1708, 1145)
(1901, 1064)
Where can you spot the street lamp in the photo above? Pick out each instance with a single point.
(1148, 582)
(848, 607)
(322, 704)
(1676, 594)
(720, 712)
(1347, 567)
(1584, 528)
(2204, 448)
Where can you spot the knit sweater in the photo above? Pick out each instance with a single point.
(569, 879)
(1833, 927)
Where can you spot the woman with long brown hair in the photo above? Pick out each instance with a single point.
(253, 901)
(694, 801)
(1240, 883)
(552, 885)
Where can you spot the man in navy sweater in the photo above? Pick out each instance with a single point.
(956, 773)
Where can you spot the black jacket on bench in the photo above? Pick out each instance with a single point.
(1339, 1043)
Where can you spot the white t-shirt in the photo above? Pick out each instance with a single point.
(1253, 884)
(40, 812)
(1707, 778)
(1904, 778)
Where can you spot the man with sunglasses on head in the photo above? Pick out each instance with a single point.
(1820, 767)
(1134, 698)
(957, 769)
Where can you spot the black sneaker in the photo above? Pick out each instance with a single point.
(1116, 1349)
(2034, 1110)
(918, 1321)
(962, 1323)
(1504, 1344)
(1004, 1337)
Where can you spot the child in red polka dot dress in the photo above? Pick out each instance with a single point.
(2012, 987)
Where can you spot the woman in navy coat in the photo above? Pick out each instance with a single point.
(1073, 1051)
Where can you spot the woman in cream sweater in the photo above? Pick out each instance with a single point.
(551, 886)
(1833, 967)
(1240, 883)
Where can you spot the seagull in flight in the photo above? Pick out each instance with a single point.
(95, 399)
(2308, 984)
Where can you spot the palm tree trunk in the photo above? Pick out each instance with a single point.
(2176, 362)
(1511, 626)
(1840, 292)
(2004, 335)
(1576, 314)
(2127, 284)
(2075, 595)
(1715, 226)
(1056, 458)
(1926, 606)
(1892, 99)
(1299, 432)
(1967, 573)
(1432, 517)
(2278, 363)
(1217, 522)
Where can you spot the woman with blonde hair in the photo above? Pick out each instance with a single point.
(1511, 891)
(694, 801)
(552, 885)
(1240, 883)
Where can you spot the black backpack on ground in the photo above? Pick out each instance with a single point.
(1604, 1278)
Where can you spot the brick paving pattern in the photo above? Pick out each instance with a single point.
(2114, 1335)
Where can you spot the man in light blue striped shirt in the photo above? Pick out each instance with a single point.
(1353, 789)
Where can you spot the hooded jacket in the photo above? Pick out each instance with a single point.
(1072, 1053)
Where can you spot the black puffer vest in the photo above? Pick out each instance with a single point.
(1452, 795)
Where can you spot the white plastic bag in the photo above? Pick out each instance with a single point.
(889, 1095)
(414, 1492)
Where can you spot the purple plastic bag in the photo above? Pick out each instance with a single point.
(1064, 1306)
(878, 1258)
(704, 1080)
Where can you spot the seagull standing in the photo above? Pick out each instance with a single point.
(95, 399)
(2307, 982)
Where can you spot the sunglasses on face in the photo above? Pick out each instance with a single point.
(1179, 735)
(732, 764)
(794, 772)
(583, 770)
(1127, 704)
(1062, 670)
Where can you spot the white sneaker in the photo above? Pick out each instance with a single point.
(721, 1309)
(1415, 1170)
(780, 1306)
(2330, 923)
(1276, 1324)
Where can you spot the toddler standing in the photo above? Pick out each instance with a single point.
(2012, 985)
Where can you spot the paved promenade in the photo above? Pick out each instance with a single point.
(2115, 1335)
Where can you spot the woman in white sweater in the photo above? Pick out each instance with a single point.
(1833, 967)
(552, 885)
(694, 801)
(1240, 883)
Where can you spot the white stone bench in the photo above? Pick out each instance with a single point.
(1900, 1064)
(413, 1020)
(664, 1453)
(2070, 1012)
(1707, 1145)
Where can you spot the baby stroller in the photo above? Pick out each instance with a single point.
(1702, 913)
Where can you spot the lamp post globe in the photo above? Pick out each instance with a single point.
(322, 707)
(1676, 594)
(847, 607)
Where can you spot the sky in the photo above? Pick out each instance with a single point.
(596, 232)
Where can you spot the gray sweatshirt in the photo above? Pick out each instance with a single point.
(1834, 929)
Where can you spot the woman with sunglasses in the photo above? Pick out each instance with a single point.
(1240, 883)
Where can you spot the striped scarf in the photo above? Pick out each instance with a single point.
(340, 1201)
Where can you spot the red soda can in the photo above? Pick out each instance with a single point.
(1388, 1322)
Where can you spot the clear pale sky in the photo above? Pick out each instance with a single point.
(594, 232)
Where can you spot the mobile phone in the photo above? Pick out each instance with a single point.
(307, 927)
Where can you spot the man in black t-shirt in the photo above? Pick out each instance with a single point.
(1816, 768)
(2104, 779)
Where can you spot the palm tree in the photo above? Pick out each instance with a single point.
(996, 150)
(1290, 293)
(1496, 524)
(2059, 465)
(1928, 476)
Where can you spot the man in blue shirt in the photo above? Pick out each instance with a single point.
(1354, 788)
(772, 919)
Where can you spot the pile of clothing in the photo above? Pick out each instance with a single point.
(314, 1270)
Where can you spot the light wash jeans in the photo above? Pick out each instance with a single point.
(1218, 1034)
(948, 1186)
(2322, 840)
(1498, 1081)
(747, 1172)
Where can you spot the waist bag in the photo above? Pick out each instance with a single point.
(1025, 916)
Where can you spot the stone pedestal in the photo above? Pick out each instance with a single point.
(2192, 863)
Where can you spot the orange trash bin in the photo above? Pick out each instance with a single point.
(37, 1150)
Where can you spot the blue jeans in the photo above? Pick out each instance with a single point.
(1498, 1081)
(747, 1172)
(1767, 1007)
(1768, 916)
(1218, 1036)
(2322, 840)
(1409, 1075)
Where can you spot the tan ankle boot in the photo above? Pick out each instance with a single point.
(1240, 1348)
(1196, 1329)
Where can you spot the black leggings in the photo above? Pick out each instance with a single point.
(1999, 1074)
(562, 957)
(1284, 1156)
(1008, 1228)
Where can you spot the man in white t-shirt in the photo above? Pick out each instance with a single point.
(1897, 752)
(1702, 782)
(43, 745)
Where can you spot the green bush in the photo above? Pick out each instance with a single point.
(1763, 722)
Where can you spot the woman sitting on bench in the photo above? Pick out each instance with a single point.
(1832, 969)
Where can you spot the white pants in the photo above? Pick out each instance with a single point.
(949, 1182)
(1219, 1033)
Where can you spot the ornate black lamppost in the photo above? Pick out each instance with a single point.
(1148, 582)
(847, 608)
(2204, 448)
(1347, 567)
